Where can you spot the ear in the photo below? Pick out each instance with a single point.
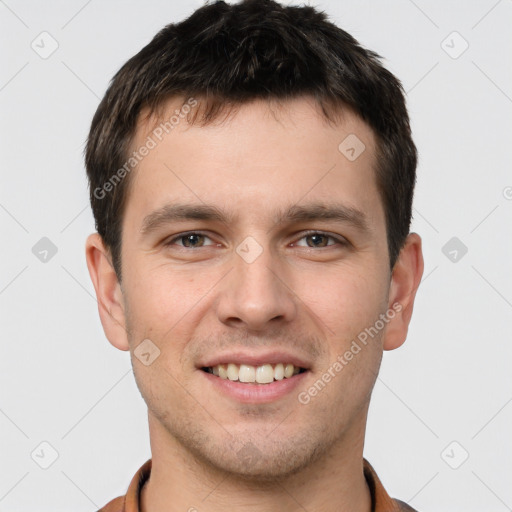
(405, 280)
(108, 291)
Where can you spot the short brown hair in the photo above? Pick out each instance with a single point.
(230, 55)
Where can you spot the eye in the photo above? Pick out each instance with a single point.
(191, 240)
(314, 239)
(320, 239)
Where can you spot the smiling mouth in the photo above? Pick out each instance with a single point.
(246, 373)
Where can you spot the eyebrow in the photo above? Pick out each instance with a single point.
(312, 212)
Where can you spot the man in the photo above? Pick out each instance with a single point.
(251, 174)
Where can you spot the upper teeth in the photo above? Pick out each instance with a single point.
(261, 374)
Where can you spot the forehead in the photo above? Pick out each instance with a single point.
(260, 154)
(294, 115)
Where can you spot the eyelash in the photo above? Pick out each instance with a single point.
(341, 241)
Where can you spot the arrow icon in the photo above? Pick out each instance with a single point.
(454, 45)
(44, 455)
(249, 249)
(147, 352)
(351, 147)
(44, 250)
(44, 44)
(454, 455)
(454, 249)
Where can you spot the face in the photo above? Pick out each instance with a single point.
(276, 254)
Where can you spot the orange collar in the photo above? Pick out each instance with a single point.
(381, 502)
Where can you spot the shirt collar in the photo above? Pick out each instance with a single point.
(381, 502)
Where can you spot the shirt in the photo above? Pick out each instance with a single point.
(381, 502)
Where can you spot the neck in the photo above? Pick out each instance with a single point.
(180, 482)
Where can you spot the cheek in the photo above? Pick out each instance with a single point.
(166, 307)
(346, 300)
(157, 385)
(162, 296)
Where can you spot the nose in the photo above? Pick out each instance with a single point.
(256, 295)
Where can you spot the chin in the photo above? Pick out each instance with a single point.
(264, 462)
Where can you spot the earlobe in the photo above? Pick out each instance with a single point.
(108, 292)
(405, 281)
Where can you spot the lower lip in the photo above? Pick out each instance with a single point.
(254, 393)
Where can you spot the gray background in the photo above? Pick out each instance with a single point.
(62, 383)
